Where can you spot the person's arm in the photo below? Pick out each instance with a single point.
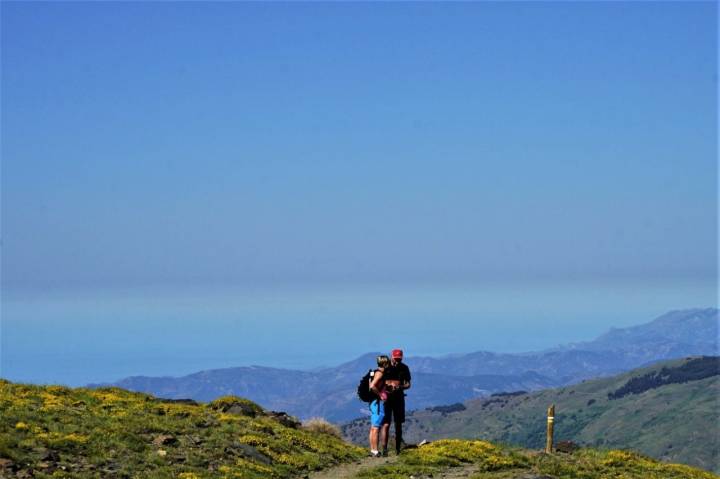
(406, 384)
(376, 380)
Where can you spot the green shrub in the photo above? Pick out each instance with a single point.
(322, 426)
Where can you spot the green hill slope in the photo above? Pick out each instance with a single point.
(58, 432)
(669, 411)
(55, 432)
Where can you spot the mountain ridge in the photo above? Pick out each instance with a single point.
(330, 392)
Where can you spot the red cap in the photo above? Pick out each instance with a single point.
(397, 354)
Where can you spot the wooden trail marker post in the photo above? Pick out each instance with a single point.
(550, 429)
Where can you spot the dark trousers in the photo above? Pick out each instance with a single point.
(395, 411)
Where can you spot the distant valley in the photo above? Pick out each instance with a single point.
(330, 392)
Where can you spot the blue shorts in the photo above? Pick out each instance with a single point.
(377, 413)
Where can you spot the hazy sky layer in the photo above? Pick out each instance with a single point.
(77, 339)
(198, 143)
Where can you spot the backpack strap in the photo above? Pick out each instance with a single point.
(372, 378)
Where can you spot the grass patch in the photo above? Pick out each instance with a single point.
(490, 461)
(448, 453)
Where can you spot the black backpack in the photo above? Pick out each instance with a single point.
(363, 389)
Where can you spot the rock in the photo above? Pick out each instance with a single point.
(242, 409)
(566, 446)
(285, 419)
(111, 467)
(5, 463)
(165, 440)
(424, 442)
(248, 451)
(204, 424)
(189, 402)
(236, 405)
(51, 456)
(162, 452)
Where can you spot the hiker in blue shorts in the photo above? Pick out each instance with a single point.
(377, 406)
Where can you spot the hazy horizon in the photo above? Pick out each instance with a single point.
(82, 338)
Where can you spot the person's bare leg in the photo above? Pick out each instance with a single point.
(374, 438)
(385, 436)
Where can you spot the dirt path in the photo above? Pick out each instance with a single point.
(351, 469)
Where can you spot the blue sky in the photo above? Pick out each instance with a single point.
(196, 143)
(198, 185)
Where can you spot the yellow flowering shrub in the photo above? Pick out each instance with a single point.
(614, 464)
(252, 440)
(453, 452)
(492, 461)
(21, 426)
(229, 417)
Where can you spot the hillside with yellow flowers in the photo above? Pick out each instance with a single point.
(59, 432)
(54, 431)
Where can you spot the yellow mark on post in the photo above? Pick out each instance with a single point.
(550, 427)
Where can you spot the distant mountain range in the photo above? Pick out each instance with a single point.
(331, 392)
(670, 411)
(672, 335)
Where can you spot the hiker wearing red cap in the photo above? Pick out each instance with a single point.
(397, 380)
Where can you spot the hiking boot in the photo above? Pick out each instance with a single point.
(400, 447)
(375, 454)
(385, 452)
